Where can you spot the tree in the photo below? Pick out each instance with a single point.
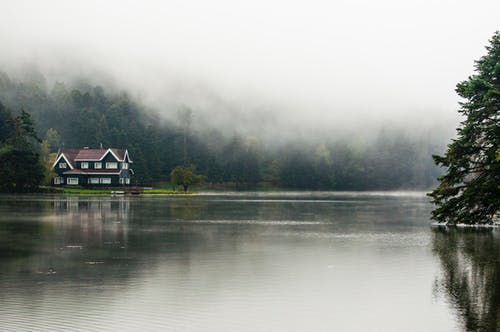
(85, 115)
(47, 159)
(6, 124)
(24, 131)
(185, 176)
(53, 140)
(185, 118)
(469, 189)
(20, 169)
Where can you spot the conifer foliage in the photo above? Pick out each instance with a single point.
(20, 170)
(469, 191)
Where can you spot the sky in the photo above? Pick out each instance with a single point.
(309, 63)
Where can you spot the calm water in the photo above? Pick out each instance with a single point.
(251, 262)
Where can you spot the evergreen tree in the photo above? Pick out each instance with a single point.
(81, 115)
(20, 169)
(469, 191)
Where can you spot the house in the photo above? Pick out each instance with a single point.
(92, 167)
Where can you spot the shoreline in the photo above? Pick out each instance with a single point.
(494, 224)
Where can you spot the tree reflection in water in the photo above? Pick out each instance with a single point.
(470, 277)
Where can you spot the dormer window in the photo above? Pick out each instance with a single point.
(98, 165)
(113, 165)
(124, 165)
(84, 164)
(63, 165)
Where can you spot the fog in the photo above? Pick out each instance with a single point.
(262, 66)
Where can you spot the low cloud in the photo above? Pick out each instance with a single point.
(277, 69)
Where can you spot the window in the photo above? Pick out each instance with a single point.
(63, 165)
(106, 180)
(97, 165)
(58, 180)
(127, 180)
(124, 165)
(72, 180)
(84, 164)
(93, 180)
(111, 165)
(121, 180)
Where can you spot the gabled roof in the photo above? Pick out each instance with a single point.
(73, 155)
(68, 155)
(90, 154)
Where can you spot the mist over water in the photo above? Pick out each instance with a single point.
(242, 261)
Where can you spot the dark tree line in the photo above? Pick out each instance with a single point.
(20, 167)
(85, 115)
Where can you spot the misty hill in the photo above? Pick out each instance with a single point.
(84, 114)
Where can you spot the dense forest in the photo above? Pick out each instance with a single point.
(82, 114)
(21, 167)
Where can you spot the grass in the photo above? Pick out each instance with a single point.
(166, 192)
(82, 191)
(85, 191)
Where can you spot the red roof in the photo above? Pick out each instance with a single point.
(71, 155)
(120, 153)
(90, 154)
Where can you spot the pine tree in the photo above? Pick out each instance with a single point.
(20, 169)
(469, 191)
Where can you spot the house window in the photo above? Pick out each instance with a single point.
(93, 180)
(121, 180)
(111, 165)
(124, 165)
(84, 164)
(58, 180)
(63, 165)
(97, 165)
(127, 180)
(106, 180)
(72, 180)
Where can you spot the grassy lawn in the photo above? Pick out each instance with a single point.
(166, 192)
(84, 191)
(80, 191)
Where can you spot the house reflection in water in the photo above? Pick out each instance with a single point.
(95, 223)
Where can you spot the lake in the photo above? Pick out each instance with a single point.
(317, 261)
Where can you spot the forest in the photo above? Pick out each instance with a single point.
(79, 113)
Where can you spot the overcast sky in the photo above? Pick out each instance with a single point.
(315, 60)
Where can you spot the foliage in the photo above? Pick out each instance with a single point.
(185, 176)
(469, 190)
(53, 140)
(47, 159)
(20, 169)
(84, 115)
